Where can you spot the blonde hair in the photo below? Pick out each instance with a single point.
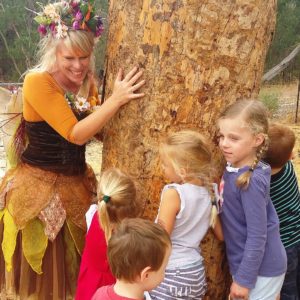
(191, 151)
(76, 41)
(116, 199)
(255, 116)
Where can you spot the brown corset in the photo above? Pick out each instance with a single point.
(48, 150)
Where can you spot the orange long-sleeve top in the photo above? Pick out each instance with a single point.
(43, 100)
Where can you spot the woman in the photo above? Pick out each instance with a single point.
(44, 199)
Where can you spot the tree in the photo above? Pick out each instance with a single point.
(287, 33)
(198, 57)
(19, 37)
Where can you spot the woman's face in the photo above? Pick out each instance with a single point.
(71, 66)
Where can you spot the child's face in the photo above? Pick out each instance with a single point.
(168, 170)
(156, 277)
(237, 142)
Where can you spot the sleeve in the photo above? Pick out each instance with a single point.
(254, 204)
(90, 214)
(45, 98)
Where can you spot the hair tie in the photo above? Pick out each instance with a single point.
(251, 169)
(106, 198)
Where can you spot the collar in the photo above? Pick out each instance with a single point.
(231, 169)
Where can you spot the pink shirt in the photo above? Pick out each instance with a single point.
(108, 293)
(94, 267)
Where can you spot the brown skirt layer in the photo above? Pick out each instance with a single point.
(32, 198)
(60, 269)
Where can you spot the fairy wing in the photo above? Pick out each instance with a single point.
(11, 117)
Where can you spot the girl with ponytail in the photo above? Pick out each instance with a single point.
(187, 210)
(255, 253)
(116, 201)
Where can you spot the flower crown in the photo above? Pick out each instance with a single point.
(57, 18)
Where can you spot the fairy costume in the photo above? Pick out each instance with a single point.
(44, 199)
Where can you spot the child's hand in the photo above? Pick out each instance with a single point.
(238, 292)
(124, 88)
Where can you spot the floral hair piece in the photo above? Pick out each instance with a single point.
(57, 18)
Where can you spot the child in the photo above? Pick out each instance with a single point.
(138, 252)
(117, 200)
(185, 212)
(284, 192)
(255, 253)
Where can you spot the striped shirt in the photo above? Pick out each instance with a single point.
(284, 192)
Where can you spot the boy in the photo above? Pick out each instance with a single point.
(138, 253)
(285, 196)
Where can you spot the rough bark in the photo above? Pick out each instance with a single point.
(198, 57)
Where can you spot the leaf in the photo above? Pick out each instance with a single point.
(42, 20)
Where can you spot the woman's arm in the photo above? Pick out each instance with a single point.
(123, 92)
(169, 208)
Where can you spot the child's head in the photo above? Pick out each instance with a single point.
(186, 155)
(282, 141)
(243, 129)
(116, 199)
(138, 252)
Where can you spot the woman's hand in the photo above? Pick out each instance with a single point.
(238, 292)
(124, 88)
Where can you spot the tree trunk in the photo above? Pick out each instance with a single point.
(198, 57)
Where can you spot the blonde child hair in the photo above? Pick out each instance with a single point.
(190, 154)
(255, 117)
(116, 199)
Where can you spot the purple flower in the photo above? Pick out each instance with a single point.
(76, 25)
(78, 16)
(52, 27)
(99, 30)
(74, 4)
(42, 29)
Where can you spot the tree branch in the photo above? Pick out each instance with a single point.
(281, 66)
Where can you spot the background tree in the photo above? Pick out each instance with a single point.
(286, 38)
(198, 57)
(19, 37)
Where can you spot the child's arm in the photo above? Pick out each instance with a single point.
(217, 229)
(169, 208)
(253, 200)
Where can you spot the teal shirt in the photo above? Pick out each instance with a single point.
(284, 192)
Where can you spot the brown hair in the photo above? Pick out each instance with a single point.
(282, 141)
(135, 245)
(192, 151)
(255, 115)
(116, 199)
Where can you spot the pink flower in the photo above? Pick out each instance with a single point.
(78, 16)
(76, 25)
(52, 27)
(42, 29)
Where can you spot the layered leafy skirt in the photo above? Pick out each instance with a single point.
(42, 230)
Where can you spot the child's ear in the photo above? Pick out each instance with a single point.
(259, 139)
(145, 273)
(292, 155)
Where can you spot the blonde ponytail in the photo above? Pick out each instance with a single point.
(117, 199)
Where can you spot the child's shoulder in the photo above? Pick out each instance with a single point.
(261, 174)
